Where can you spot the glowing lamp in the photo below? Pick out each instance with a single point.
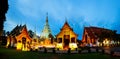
(106, 42)
(19, 46)
(59, 45)
(73, 46)
(118, 42)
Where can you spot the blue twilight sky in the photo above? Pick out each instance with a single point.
(79, 13)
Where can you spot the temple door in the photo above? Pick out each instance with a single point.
(66, 41)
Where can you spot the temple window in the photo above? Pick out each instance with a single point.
(19, 41)
(23, 40)
(73, 40)
(59, 40)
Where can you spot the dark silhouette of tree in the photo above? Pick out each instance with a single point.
(118, 37)
(3, 11)
(7, 33)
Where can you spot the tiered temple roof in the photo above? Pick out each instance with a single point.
(93, 34)
(66, 26)
(24, 33)
(17, 30)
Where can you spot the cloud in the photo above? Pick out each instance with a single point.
(9, 24)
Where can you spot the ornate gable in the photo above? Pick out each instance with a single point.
(66, 26)
(66, 30)
(24, 33)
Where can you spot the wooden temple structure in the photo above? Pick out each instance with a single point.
(92, 35)
(66, 38)
(19, 38)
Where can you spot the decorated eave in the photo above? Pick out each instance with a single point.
(60, 32)
(16, 30)
(66, 23)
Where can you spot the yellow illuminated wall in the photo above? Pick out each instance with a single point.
(66, 30)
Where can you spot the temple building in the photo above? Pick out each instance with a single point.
(19, 38)
(95, 35)
(46, 36)
(23, 40)
(66, 38)
(11, 40)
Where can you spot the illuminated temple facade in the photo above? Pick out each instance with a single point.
(66, 38)
(19, 38)
(23, 40)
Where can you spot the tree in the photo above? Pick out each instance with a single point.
(3, 11)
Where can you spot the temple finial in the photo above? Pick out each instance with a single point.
(65, 19)
(47, 17)
(47, 13)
